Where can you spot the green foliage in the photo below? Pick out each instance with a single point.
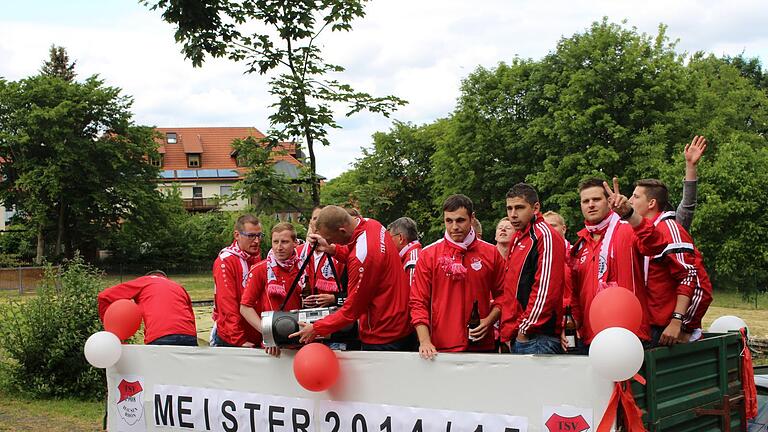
(44, 336)
(73, 162)
(170, 238)
(58, 64)
(274, 190)
(608, 101)
(279, 36)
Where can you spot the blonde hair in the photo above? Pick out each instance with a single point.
(556, 215)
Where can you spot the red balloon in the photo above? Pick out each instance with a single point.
(316, 367)
(122, 318)
(615, 307)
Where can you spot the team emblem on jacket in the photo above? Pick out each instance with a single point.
(476, 264)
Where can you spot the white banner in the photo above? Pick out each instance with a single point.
(156, 388)
(202, 409)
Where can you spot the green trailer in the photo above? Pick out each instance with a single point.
(693, 387)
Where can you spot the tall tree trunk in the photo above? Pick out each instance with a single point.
(313, 168)
(60, 232)
(40, 246)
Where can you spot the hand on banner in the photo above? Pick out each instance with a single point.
(273, 351)
(427, 350)
(306, 334)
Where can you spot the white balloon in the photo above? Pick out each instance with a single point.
(727, 323)
(616, 354)
(103, 349)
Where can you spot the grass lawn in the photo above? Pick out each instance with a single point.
(53, 415)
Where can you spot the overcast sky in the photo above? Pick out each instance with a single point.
(418, 50)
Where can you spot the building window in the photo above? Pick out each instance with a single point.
(225, 190)
(193, 160)
(197, 191)
(157, 162)
(170, 137)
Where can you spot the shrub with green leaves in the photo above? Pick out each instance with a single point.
(43, 337)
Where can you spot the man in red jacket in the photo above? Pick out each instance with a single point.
(606, 254)
(378, 288)
(230, 272)
(406, 237)
(165, 308)
(269, 281)
(535, 278)
(679, 290)
(456, 277)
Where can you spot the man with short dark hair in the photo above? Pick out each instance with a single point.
(378, 288)
(230, 272)
(405, 234)
(535, 279)
(165, 308)
(269, 281)
(454, 276)
(679, 290)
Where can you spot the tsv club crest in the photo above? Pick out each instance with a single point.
(130, 403)
(476, 264)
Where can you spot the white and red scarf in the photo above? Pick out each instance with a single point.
(606, 227)
(455, 270)
(273, 287)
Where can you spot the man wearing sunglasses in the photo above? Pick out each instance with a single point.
(230, 272)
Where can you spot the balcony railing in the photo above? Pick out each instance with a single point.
(201, 204)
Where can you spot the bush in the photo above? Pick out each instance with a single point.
(43, 337)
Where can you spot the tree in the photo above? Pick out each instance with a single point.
(279, 36)
(71, 154)
(58, 64)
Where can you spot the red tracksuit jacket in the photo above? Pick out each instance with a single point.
(378, 288)
(534, 282)
(263, 295)
(319, 272)
(165, 305)
(444, 303)
(677, 270)
(229, 276)
(624, 267)
(409, 255)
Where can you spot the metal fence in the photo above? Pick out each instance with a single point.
(22, 279)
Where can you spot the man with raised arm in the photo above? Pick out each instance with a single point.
(405, 234)
(230, 272)
(535, 278)
(679, 290)
(378, 288)
(457, 276)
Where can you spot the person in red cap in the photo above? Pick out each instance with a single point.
(165, 308)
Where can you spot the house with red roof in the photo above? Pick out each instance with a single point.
(202, 163)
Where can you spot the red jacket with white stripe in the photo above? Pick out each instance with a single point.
(444, 303)
(229, 276)
(535, 282)
(378, 288)
(624, 269)
(677, 270)
(165, 305)
(409, 255)
(263, 295)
